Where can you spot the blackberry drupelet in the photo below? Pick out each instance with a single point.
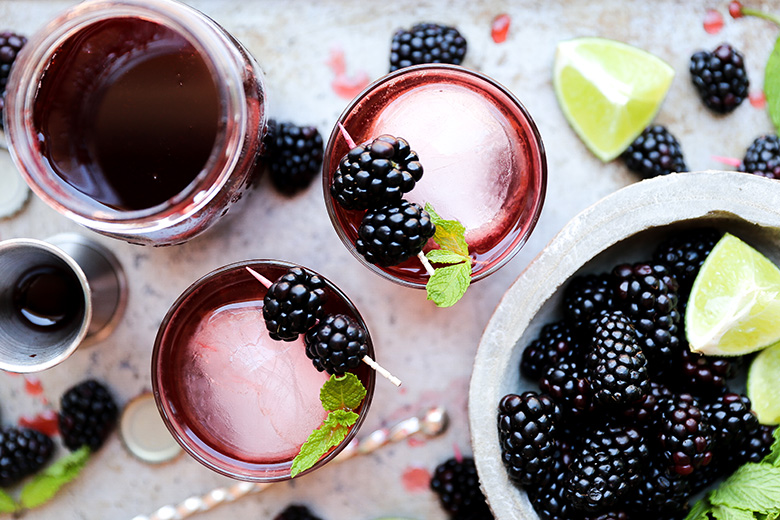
(596, 482)
(336, 344)
(526, 429)
(10, 45)
(684, 253)
(293, 304)
(585, 299)
(394, 233)
(22, 453)
(685, 435)
(548, 500)
(763, 157)
(457, 485)
(556, 343)
(427, 43)
(376, 174)
(87, 415)
(655, 152)
(617, 367)
(294, 155)
(619, 441)
(646, 413)
(659, 491)
(703, 376)
(566, 383)
(647, 294)
(296, 512)
(720, 78)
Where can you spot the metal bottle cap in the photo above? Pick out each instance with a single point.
(143, 432)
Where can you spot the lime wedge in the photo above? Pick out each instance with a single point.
(734, 307)
(763, 385)
(608, 91)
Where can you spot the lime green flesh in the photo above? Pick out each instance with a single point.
(763, 385)
(609, 91)
(734, 307)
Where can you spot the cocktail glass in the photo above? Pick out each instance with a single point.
(237, 401)
(483, 158)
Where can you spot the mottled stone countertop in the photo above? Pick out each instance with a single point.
(430, 349)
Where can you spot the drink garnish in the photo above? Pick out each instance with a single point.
(340, 396)
(448, 284)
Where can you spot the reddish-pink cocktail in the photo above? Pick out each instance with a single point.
(236, 400)
(482, 154)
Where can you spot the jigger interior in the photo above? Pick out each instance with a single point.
(25, 348)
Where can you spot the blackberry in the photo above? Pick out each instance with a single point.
(294, 155)
(457, 485)
(596, 482)
(336, 344)
(720, 78)
(293, 304)
(659, 491)
(685, 435)
(296, 512)
(624, 442)
(684, 253)
(704, 376)
(376, 174)
(392, 234)
(87, 415)
(22, 453)
(526, 429)
(616, 364)
(569, 387)
(556, 343)
(646, 413)
(10, 45)
(655, 152)
(763, 157)
(647, 294)
(585, 299)
(427, 43)
(611, 515)
(548, 500)
(753, 448)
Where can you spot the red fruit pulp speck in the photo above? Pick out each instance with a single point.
(345, 86)
(500, 27)
(45, 422)
(713, 21)
(758, 99)
(32, 385)
(415, 442)
(416, 479)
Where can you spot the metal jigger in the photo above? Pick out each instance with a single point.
(102, 282)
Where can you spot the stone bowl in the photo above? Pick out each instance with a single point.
(623, 227)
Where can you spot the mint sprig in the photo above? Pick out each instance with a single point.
(7, 503)
(340, 396)
(448, 284)
(752, 492)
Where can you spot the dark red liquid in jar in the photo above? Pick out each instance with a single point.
(127, 113)
(231, 286)
(48, 298)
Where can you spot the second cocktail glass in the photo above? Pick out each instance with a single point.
(483, 158)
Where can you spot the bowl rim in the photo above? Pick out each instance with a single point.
(641, 206)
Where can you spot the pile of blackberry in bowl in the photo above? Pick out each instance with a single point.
(586, 401)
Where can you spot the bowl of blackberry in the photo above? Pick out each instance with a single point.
(587, 399)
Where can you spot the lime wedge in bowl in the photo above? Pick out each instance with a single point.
(609, 91)
(763, 385)
(734, 307)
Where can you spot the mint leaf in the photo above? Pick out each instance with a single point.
(46, 484)
(342, 393)
(333, 430)
(442, 256)
(7, 503)
(700, 510)
(772, 85)
(450, 234)
(730, 513)
(774, 515)
(774, 453)
(448, 284)
(754, 487)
